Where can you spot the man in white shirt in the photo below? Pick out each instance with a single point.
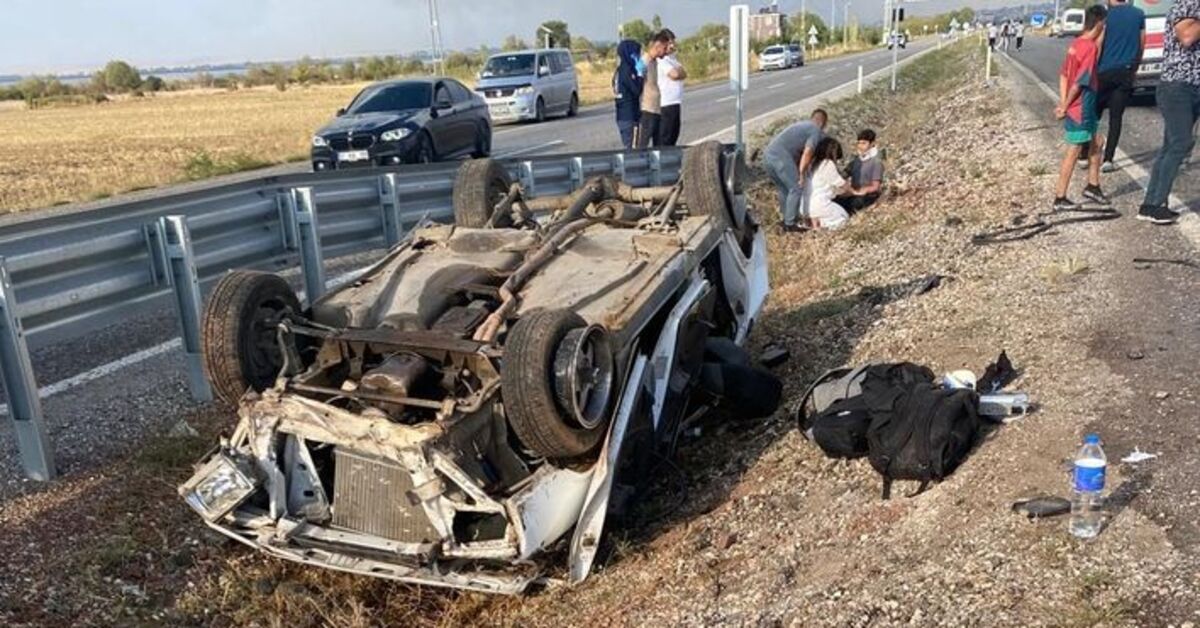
(671, 75)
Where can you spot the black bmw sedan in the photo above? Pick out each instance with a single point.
(405, 121)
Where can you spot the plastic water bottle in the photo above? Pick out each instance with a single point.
(1087, 496)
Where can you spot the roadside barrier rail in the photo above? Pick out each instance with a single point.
(65, 275)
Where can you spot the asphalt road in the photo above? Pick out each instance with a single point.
(1141, 134)
(147, 392)
(707, 110)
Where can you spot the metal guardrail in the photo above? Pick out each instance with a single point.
(65, 275)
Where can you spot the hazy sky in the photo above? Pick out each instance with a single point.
(68, 35)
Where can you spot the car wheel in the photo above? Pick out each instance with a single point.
(425, 151)
(478, 187)
(483, 142)
(239, 332)
(540, 111)
(573, 109)
(704, 183)
(557, 382)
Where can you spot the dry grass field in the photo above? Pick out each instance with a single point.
(59, 155)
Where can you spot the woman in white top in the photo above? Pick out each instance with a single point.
(827, 184)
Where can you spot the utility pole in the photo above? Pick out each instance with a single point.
(620, 20)
(435, 37)
(804, 18)
(832, 20)
(846, 23)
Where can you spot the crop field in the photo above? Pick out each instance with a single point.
(59, 155)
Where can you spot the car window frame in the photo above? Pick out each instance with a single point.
(455, 88)
(568, 64)
(438, 87)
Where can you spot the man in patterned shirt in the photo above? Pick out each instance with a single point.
(1077, 86)
(1179, 101)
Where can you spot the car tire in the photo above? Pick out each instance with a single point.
(529, 388)
(704, 183)
(426, 153)
(479, 185)
(483, 142)
(238, 332)
(539, 110)
(573, 108)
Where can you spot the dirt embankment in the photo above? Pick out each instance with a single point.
(752, 525)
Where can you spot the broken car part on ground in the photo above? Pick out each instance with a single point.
(488, 386)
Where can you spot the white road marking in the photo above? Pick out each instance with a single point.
(1189, 222)
(145, 354)
(527, 149)
(725, 99)
(775, 86)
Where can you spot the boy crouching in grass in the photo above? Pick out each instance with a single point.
(1077, 87)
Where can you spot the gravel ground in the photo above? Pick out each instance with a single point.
(754, 526)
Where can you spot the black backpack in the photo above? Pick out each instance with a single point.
(895, 414)
(919, 430)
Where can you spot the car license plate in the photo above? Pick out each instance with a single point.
(499, 110)
(353, 155)
(1151, 68)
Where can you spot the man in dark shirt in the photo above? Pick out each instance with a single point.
(1124, 42)
(866, 175)
(1179, 103)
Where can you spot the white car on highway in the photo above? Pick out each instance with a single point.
(775, 58)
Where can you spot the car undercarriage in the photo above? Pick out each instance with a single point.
(489, 386)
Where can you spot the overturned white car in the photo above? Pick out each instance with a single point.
(487, 387)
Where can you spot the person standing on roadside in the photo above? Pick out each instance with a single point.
(671, 75)
(788, 159)
(651, 105)
(1124, 43)
(627, 90)
(1077, 87)
(1179, 102)
(993, 32)
(1020, 34)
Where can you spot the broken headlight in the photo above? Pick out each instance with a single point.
(218, 487)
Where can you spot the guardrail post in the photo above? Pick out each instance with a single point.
(656, 168)
(389, 205)
(181, 269)
(619, 166)
(24, 405)
(576, 172)
(310, 242)
(527, 181)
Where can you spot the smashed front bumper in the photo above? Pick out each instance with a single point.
(309, 482)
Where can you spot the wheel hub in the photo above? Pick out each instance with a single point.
(583, 375)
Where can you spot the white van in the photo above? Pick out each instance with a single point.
(529, 85)
(1072, 22)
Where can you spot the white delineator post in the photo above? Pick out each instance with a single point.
(739, 59)
(860, 79)
(987, 73)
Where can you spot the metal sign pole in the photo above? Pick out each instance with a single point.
(24, 405)
(895, 39)
(739, 60)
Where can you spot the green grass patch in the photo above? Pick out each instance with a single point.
(170, 453)
(204, 165)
